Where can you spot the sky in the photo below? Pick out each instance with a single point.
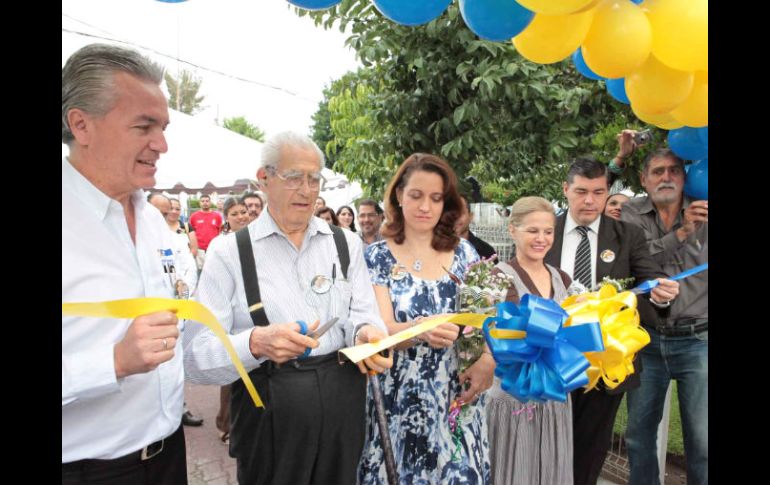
(286, 59)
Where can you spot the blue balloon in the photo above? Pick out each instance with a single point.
(703, 135)
(685, 143)
(582, 67)
(314, 4)
(411, 12)
(637, 2)
(617, 89)
(495, 20)
(697, 184)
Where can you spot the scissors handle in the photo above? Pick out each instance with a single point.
(303, 331)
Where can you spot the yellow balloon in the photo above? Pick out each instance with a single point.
(552, 38)
(561, 7)
(619, 39)
(694, 111)
(680, 30)
(665, 120)
(656, 88)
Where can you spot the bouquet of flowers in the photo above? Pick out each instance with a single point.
(479, 293)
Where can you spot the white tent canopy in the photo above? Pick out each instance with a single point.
(200, 152)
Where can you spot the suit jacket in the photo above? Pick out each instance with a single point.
(632, 259)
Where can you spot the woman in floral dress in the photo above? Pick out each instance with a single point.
(410, 281)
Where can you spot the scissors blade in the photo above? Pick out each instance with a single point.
(323, 328)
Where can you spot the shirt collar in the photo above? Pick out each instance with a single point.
(265, 226)
(646, 206)
(93, 198)
(570, 224)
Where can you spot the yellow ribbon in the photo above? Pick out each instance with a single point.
(623, 336)
(476, 320)
(191, 310)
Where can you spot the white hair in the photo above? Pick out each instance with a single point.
(271, 150)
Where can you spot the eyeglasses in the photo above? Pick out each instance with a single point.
(294, 179)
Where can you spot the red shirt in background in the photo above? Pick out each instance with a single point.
(206, 226)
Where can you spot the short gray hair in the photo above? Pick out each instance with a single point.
(271, 150)
(87, 79)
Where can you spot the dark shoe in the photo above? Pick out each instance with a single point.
(189, 420)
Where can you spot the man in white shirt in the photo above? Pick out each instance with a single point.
(311, 429)
(122, 380)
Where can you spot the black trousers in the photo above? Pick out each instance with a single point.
(593, 415)
(311, 430)
(169, 467)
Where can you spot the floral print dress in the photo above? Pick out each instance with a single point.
(420, 387)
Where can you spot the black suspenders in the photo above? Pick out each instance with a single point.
(249, 270)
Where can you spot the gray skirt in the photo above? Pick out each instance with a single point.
(530, 443)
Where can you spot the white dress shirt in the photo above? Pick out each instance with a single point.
(104, 417)
(284, 279)
(570, 243)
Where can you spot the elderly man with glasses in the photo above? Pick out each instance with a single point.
(264, 286)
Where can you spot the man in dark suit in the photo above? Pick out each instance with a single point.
(589, 246)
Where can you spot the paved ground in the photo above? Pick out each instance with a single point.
(207, 460)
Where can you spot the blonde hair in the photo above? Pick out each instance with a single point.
(527, 205)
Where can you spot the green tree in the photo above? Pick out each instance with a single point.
(239, 124)
(437, 88)
(183, 92)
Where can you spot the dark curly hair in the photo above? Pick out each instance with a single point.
(444, 237)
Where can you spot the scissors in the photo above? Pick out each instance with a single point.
(316, 334)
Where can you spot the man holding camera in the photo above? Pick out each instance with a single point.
(676, 229)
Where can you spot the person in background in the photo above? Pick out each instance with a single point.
(327, 214)
(370, 216)
(254, 204)
(122, 379)
(615, 205)
(320, 202)
(347, 218)
(463, 229)
(207, 223)
(175, 224)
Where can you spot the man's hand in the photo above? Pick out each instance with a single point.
(666, 291)
(480, 375)
(281, 342)
(377, 363)
(626, 146)
(148, 342)
(694, 216)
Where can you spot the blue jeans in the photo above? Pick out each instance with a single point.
(684, 359)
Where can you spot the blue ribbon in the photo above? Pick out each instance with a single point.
(650, 284)
(548, 363)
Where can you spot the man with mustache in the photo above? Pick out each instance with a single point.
(676, 228)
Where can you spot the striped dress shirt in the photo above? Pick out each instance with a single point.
(285, 276)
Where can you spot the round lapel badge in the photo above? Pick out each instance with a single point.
(608, 256)
(398, 272)
(320, 284)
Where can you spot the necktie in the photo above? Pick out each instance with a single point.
(582, 271)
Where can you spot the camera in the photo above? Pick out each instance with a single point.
(642, 137)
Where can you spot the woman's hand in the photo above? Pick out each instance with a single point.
(480, 376)
(441, 337)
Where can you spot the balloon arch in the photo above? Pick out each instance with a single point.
(651, 54)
